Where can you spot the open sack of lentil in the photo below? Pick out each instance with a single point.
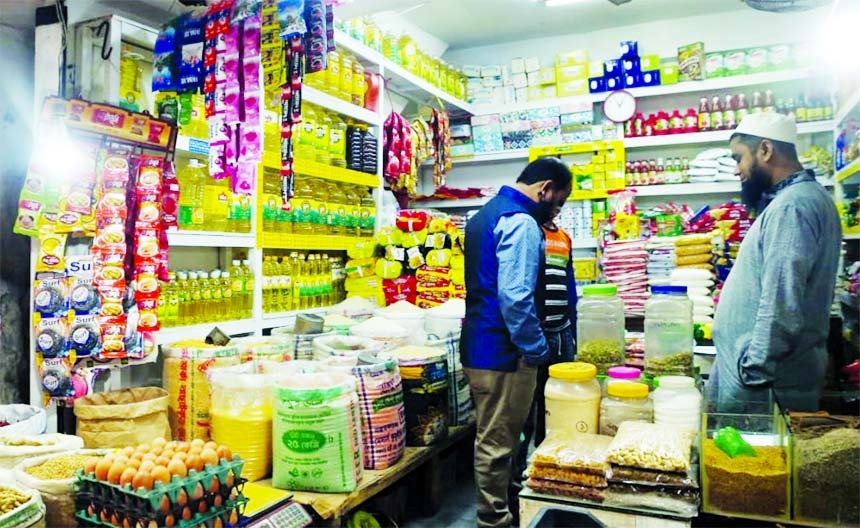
(54, 476)
(388, 332)
(21, 507)
(326, 348)
(22, 419)
(299, 346)
(122, 418)
(316, 429)
(185, 367)
(17, 448)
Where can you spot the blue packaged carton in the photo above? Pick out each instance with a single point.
(632, 80)
(613, 83)
(612, 68)
(633, 65)
(650, 78)
(629, 49)
(597, 85)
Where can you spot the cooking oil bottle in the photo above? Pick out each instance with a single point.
(229, 312)
(303, 206)
(300, 285)
(306, 143)
(192, 182)
(325, 279)
(285, 280)
(322, 139)
(332, 78)
(130, 73)
(337, 141)
(182, 299)
(337, 209)
(216, 204)
(346, 66)
(239, 216)
(353, 209)
(272, 132)
(199, 125)
(295, 279)
(248, 279)
(271, 199)
(359, 84)
(237, 290)
(320, 194)
(367, 217)
(205, 297)
(267, 284)
(216, 305)
(195, 313)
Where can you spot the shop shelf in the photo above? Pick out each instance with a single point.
(583, 243)
(851, 103)
(717, 136)
(274, 320)
(320, 98)
(400, 80)
(310, 242)
(849, 171)
(687, 189)
(210, 239)
(709, 85)
(489, 157)
(326, 172)
(194, 146)
(199, 331)
(452, 204)
(116, 363)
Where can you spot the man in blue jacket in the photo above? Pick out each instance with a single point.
(502, 342)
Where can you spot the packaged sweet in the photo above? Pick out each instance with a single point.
(566, 490)
(650, 477)
(568, 476)
(52, 251)
(651, 446)
(586, 453)
(291, 18)
(664, 499)
(148, 315)
(113, 335)
(190, 37)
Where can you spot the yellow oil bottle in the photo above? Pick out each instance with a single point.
(337, 141)
(192, 182)
(196, 295)
(271, 132)
(320, 194)
(352, 210)
(205, 296)
(248, 280)
(305, 145)
(237, 290)
(359, 84)
(367, 216)
(285, 280)
(302, 284)
(346, 65)
(182, 299)
(325, 276)
(322, 139)
(267, 284)
(216, 309)
(227, 297)
(332, 78)
(271, 199)
(295, 280)
(303, 206)
(337, 209)
(216, 204)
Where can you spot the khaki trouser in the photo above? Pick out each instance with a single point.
(502, 401)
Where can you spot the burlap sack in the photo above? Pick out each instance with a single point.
(123, 418)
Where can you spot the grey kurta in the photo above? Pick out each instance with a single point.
(772, 321)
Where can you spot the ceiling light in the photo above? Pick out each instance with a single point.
(557, 3)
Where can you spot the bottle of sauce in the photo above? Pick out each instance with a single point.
(661, 124)
(628, 128)
(757, 103)
(800, 111)
(652, 171)
(729, 108)
(628, 173)
(716, 113)
(661, 172)
(742, 108)
(676, 122)
(769, 103)
(691, 121)
(572, 399)
(704, 115)
(685, 169)
(650, 125)
(638, 125)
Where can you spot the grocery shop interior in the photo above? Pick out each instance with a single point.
(429, 263)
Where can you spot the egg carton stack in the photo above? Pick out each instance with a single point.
(713, 165)
(661, 260)
(624, 263)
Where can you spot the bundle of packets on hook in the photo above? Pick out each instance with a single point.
(100, 217)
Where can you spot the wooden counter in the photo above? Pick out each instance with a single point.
(335, 505)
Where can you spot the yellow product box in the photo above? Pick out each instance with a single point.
(573, 72)
(571, 88)
(649, 62)
(535, 93)
(669, 73)
(615, 180)
(571, 58)
(547, 76)
(585, 269)
(598, 159)
(549, 91)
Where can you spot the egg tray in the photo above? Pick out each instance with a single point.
(213, 518)
(92, 490)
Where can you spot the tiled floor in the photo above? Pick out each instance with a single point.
(458, 508)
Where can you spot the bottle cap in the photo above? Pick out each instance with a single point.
(573, 371)
(605, 290)
(627, 390)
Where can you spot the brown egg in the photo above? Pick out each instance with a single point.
(186, 513)
(149, 456)
(128, 451)
(194, 462)
(234, 517)
(164, 505)
(134, 463)
(144, 448)
(127, 476)
(209, 456)
(210, 445)
(159, 442)
(170, 520)
(217, 501)
(167, 453)
(224, 452)
(198, 443)
(160, 474)
(181, 447)
(142, 479)
(218, 523)
(230, 480)
(182, 497)
(202, 507)
(137, 456)
(147, 465)
(198, 492)
(90, 466)
(180, 455)
(215, 486)
(115, 472)
(162, 461)
(177, 467)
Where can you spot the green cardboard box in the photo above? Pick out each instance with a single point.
(649, 62)
(735, 62)
(669, 73)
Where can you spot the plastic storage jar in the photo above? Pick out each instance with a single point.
(572, 398)
(669, 332)
(677, 402)
(621, 375)
(600, 327)
(624, 402)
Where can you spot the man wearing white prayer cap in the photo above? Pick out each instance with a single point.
(772, 321)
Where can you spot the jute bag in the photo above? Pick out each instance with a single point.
(122, 418)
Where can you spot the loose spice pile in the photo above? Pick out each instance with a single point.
(827, 486)
(602, 353)
(750, 485)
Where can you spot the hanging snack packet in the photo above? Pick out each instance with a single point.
(52, 251)
(164, 58)
(113, 336)
(191, 46)
(316, 44)
(291, 18)
(169, 197)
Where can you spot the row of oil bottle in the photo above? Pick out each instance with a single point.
(206, 204)
(325, 137)
(299, 282)
(344, 78)
(319, 207)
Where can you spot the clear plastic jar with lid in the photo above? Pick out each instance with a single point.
(624, 402)
(600, 327)
(572, 398)
(621, 375)
(669, 332)
(677, 402)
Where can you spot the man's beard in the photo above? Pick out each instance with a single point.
(753, 189)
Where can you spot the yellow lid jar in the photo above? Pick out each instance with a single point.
(624, 402)
(572, 398)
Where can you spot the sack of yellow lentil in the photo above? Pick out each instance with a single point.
(20, 507)
(122, 418)
(16, 448)
(185, 367)
(54, 477)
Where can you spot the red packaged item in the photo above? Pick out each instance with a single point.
(110, 238)
(146, 283)
(148, 210)
(163, 255)
(410, 221)
(169, 197)
(148, 316)
(111, 296)
(146, 245)
(150, 174)
(113, 334)
(403, 288)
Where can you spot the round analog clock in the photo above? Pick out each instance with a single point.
(619, 106)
